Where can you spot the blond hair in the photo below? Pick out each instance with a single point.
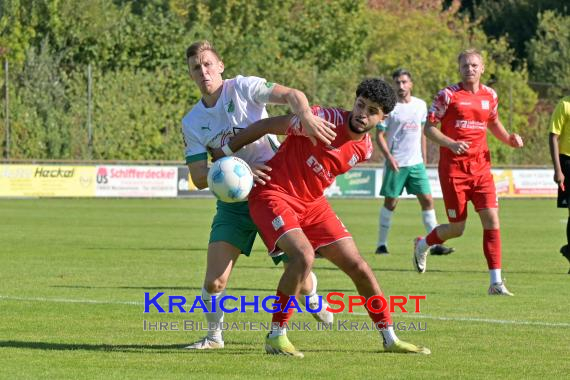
(200, 47)
(468, 52)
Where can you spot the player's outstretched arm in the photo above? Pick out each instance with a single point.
(277, 125)
(499, 131)
(314, 126)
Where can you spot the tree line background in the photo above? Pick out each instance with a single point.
(135, 53)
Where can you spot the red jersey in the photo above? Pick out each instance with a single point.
(464, 116)
(303, 170)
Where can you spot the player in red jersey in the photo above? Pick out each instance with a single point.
(294, 217)
(466, 110)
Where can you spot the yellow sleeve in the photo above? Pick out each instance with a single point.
(560, 116)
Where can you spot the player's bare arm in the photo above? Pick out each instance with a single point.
(499, 131)
(383, 145)
(434, 134)
(277, 125)
(424, 145)
(315, 127)
(274, 125)
(554, 154)
(199, 173)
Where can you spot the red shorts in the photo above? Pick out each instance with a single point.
(276, 213)
(457, 191)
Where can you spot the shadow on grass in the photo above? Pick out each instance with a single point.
(362, 350)
(192, 288)
(196, 289)
(377, 269)
(183, 249)
(88, 347)
(47, 346)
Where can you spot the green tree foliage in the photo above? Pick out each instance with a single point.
(130, 119)
(514, 19)
(549, 51)
(39, 108)
(397, 41)
(16, 30)
(141, 88)
(48, 107)
(297, 43)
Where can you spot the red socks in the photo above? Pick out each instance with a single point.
(492, 248)
(432, 238)
(382, 319)
(280, 317)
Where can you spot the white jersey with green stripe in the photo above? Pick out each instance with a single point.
(403, 131)
(241, 103)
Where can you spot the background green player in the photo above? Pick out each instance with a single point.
(403, 144)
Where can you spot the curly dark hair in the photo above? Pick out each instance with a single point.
(379, 92)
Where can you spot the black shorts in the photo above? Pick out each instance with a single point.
(564, 196)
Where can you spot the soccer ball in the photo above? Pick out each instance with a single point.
(230, 179)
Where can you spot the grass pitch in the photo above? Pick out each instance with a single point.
(73, 275)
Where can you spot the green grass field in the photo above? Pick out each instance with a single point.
(73, 275)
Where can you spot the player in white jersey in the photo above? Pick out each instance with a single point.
(226, 107)
(403, 144)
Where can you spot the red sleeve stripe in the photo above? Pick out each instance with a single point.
(333, 115)
(339, 120)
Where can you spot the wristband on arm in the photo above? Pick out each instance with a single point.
(227, 150)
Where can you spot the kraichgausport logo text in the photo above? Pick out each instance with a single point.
(238, 304)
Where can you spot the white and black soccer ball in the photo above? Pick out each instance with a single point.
(230, 179)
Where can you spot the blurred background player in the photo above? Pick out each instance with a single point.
(293, 215)
(225, 108)
(559, 142)
(403, 144)
(466, 110)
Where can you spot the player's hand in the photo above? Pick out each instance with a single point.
(260, 173)
(317, 128)
(515, 140)
(459, 147)
(393, 164)
(216, 153)
(559, 179)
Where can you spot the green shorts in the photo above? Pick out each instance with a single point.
(413, 178)
(233, 225)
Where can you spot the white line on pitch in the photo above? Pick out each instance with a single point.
(423, 316)
(481, 320)
(67, 300)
